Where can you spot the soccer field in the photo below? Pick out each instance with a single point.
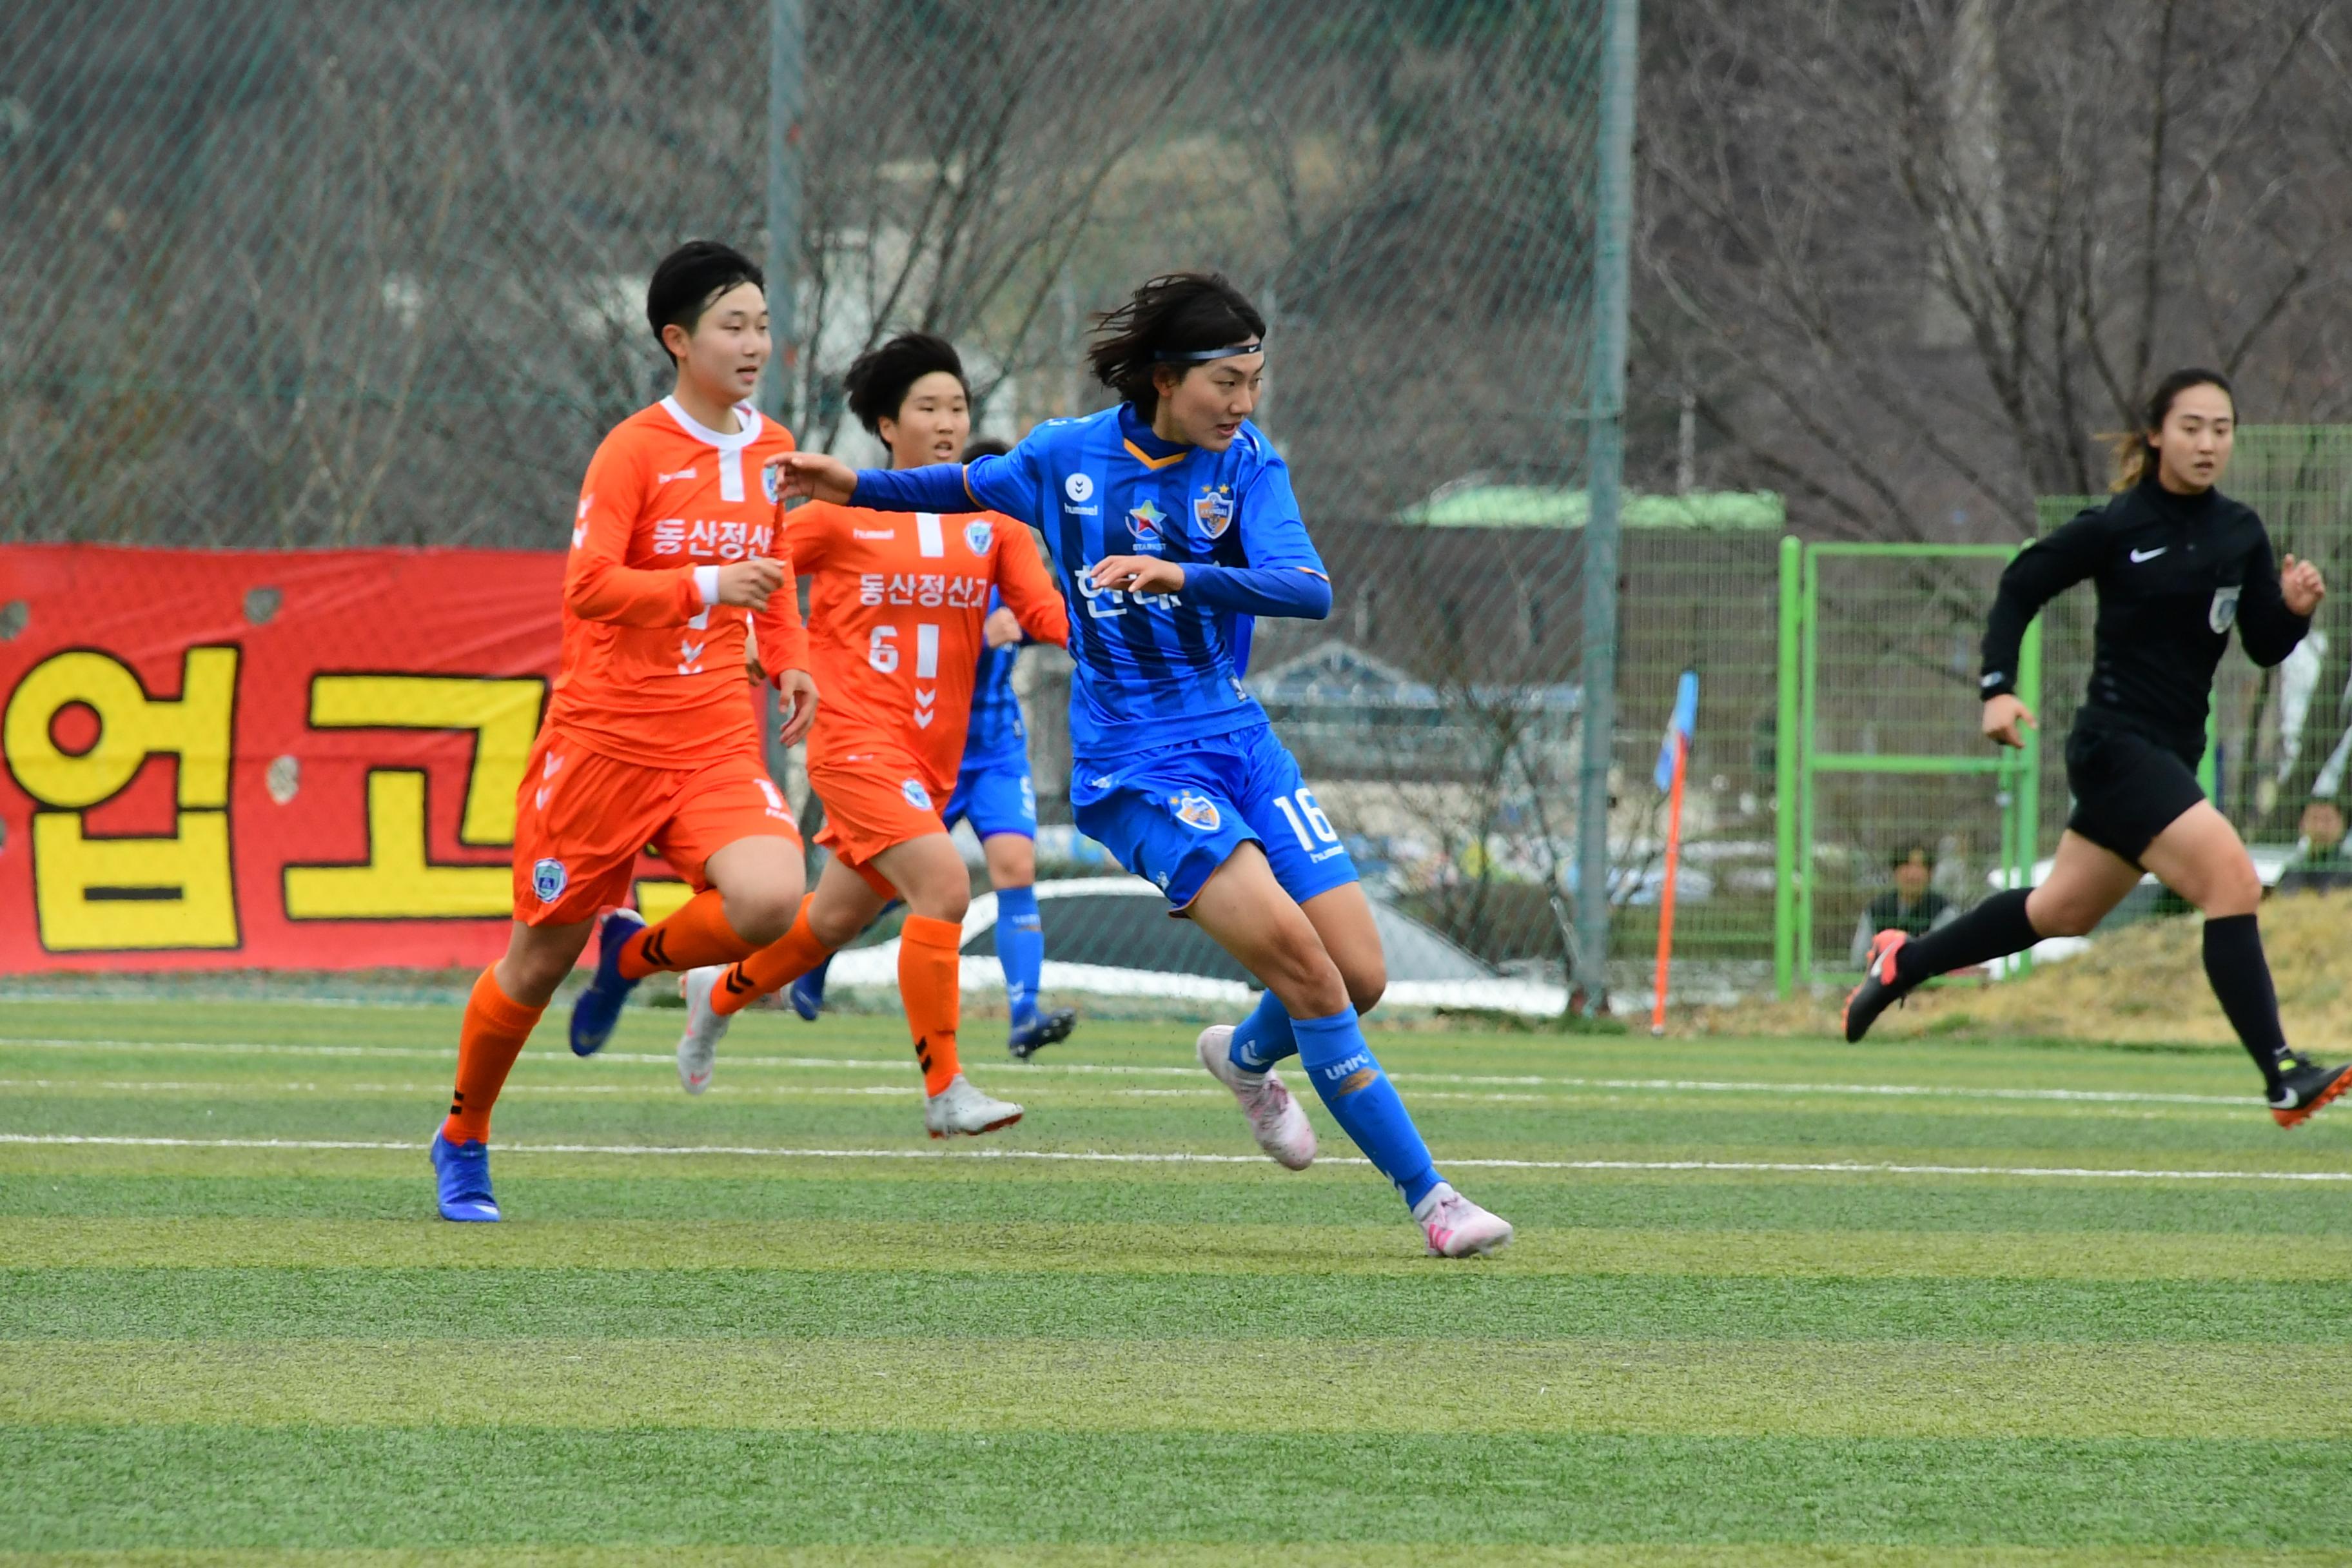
(2049, 1303)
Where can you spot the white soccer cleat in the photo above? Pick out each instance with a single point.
(960, 1111)
(1456, 1228)
(697, 1048)
(1276, 1120)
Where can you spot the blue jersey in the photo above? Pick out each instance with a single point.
(997, 735)
(1155, 670)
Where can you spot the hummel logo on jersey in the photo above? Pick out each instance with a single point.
(2139, 555)
(924, 712)
(671, 478)
(1079, 486)
(873, 533)
(689, 657)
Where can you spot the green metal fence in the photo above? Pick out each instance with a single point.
(1878, 669)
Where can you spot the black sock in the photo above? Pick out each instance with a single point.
(1994, 929)
(2241, 978)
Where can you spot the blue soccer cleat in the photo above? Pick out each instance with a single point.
(462, 1171)
(1044, 1029)
(807, 993)
(598, 1008)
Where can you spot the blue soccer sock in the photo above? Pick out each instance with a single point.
(1363, 1103)
(1021, 948)
(1262, 1038)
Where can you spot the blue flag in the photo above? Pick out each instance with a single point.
(1681, 727)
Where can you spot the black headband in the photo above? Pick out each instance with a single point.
(1201, 356)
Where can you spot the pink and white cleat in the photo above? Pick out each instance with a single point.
(1456, 1228)
(697, 1047)
(1280, 1127)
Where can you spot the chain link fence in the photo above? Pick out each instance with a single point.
(293, 276)
(297, 276)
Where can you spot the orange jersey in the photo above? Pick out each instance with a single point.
(896, 603)
(652, 667)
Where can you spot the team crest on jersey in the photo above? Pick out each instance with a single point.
(1143, 523)
(1194, 809)
(917, 796)
(2224, 610)
(977, 533)
(1212, 508)
(547, 880)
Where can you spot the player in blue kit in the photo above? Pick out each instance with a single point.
(910, 395)
(1172, 526)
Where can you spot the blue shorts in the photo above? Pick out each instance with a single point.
(996, 797)
(1175, 814)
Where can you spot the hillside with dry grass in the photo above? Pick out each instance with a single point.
(2143, 983)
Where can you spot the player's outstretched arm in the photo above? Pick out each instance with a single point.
(937, 487)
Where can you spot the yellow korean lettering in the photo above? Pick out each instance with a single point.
(397, 881)
(503, 714)
(125, 893)
(193, 727)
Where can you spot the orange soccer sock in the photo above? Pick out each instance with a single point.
(488, 1041)
(929, 977)
(771, 968)
(695, 934)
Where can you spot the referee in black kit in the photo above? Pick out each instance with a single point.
(2177, 563)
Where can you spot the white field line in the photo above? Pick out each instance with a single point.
(1771, 1167)
(1530, 1080)
(649, 1090)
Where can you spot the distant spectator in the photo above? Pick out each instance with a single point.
(2320, 863)
(1911, 906)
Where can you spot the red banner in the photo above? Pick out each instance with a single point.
(256, 759)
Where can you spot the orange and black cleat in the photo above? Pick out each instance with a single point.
(1881, 986)
(2303, 1086)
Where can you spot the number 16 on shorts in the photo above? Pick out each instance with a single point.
(1316, 835)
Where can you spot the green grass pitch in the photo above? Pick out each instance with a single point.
(1796, 1303)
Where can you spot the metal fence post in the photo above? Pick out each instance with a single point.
(787, 62)
(1604, 457)
(1786, 739)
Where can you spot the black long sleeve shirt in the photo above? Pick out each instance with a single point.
(2174, 572)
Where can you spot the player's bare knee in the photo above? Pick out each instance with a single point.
(762, 915)
(2236, 892)
(2062, 918)
(1303, 977)
(1367, 983)
(941, 900)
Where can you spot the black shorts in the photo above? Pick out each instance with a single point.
(2127, 788)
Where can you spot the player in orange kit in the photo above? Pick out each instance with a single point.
(651, 737)
(896, 603)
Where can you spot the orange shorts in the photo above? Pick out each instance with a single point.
(875, 803)
(583, 818)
